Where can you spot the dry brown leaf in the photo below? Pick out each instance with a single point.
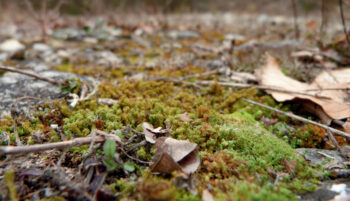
(165, 164)
(150, 132)
(334, 103)
(149, 136)
(172, 153)
(185, 118)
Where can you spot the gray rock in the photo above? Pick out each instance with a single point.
(321, 156)
(177, 34)
(14, 86)
(235, 37)
(41, 47)
(11, 45)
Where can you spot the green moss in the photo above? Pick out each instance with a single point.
(234, 145)
(242, 191)
(9, 178)
(124, 187)
(183, 195)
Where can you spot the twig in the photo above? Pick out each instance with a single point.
(331, 136)
(31, 74)
(168, 79)
(95, 89)
(343, 21)
(271, 88)
(199, 75)
(336, 131)
(7, 150)
(135, 146)
(135, 159)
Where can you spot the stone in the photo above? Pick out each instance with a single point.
(322, 157)
(177, 34)
(11, 46)
(41, 47)
(14, 86)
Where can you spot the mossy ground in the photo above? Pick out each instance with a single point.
(241, 158)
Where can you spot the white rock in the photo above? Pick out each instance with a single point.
(11, 45)
(40, 47)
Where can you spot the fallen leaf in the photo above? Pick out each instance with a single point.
(149, 136)
(164, 164)
(150, 132)
(321, 91)
(174, 155)
(185, 118)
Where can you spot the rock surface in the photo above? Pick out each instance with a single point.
(16, 85)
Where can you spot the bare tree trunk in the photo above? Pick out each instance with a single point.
(295, 16)
(324, 15)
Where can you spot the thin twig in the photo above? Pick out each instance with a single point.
(199, 75)
(335, 142)
(336, 131)
(168, 79)
(343, 21)
(271, 88)
(95, 84)
(31, 74)
(135, 159)
(7, 150)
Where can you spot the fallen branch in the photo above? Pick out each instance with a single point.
(102, 136)
(293, 116)
(31, 74)
(7, 150)
(271, 88)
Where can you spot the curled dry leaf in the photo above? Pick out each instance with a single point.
(150, 132)
(328, 90)
(172, 155)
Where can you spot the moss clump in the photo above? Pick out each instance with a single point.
(234, 145)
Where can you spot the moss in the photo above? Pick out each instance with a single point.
(242, 191)
(9, 178)
(183, 195)
(123, 186)
(234, 145)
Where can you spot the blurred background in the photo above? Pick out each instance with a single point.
(79, 7)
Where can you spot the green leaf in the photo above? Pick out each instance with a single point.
(111, 165)
(129, 166)
(109, 148)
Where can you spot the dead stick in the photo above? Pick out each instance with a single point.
(31, 74)
(336, 131)
(331, 136)
(7, 150)
(271, 88)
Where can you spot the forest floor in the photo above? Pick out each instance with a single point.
(163, 107)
